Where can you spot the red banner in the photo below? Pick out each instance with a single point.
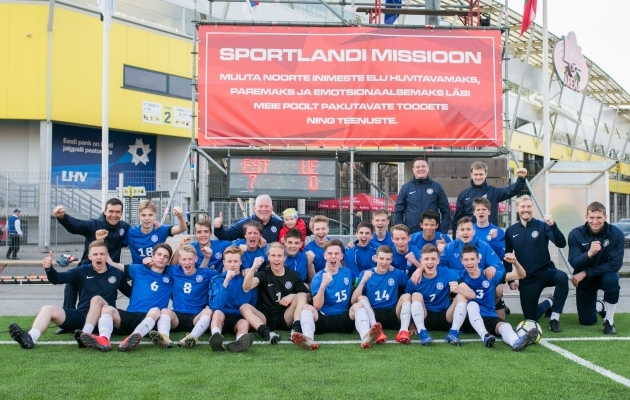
(349, 87)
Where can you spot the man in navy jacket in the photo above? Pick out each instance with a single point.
(596, 252)
(263, 213)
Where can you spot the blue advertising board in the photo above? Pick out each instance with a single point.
(76, 157)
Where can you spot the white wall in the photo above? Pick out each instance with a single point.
(19, 145)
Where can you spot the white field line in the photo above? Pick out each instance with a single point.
(587, 364)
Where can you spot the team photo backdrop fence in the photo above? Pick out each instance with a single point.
(317, 86)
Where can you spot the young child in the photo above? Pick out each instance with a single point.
(291, 221)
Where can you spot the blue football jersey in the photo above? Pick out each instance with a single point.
(249, 256)
(319, 262)
(388, 241)
(484, 292)
(190, 292)
(216, 259)
(400, 262)
(338, 292)
(435, 291)
(141, 244)
(150, 288)
(419, 241)
(299, 264)
(497, 244)
(359, 258)
(229, 300)
(382, 290)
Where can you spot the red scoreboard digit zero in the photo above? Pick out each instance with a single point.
(283, 177)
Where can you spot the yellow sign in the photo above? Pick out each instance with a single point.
(134, 191)
(162, 114)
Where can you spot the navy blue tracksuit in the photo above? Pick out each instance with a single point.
(602, 271)
(418, 196)
(270, 233)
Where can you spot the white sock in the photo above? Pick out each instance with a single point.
(145, 326)
(361, 322)
(308, 324)
(550, 302)
(164, 324)
(599, 306)
(405, 316)
(610, 312)
(216, 329)
(475, 319)
(507, 333)
(88, 328)
(201, 326)
(35, 334)
(239, 336)
(459, 316)
(105, 326)
(369, 311)
(417, 313)
(555, 315)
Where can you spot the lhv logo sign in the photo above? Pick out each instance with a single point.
(570, 64)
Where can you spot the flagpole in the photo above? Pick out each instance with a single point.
(545, 95)
(105, 114)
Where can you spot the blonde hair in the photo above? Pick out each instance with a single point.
(276, 245)
(522, 198)
(290, 212)
(188, 249)
(146, 204)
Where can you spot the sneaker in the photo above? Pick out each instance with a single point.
(241, 344)
(100, 343)
(216, 342)
(554, 325)
(548, 312)
(303, 341)
(22, 337)
(424, 337)
(130, 342)
(453, 338)
(381, 339)
(602, 313)
(160, 339)
(274, 338)
(489, 340)
(608, 329)
(188, 341)
(370, 337)
(403, 337)
(526, 340)
(77, 337)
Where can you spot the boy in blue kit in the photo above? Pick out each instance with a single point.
(316, 246)
(93, 280)
(485, 230)
(152, 290)
(406, 255)
(429, 301)
(378, 290)
(251, 245)
(142, 238)
(481, 313)
(380, 222)
(226, 297)
(296, 260)
(207, 248)
(190, 298)
(430, 233)
(360, 257)
(331, 312)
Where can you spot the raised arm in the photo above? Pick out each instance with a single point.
(250, 280)
(181, 227)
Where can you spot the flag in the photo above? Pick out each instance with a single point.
(391, 18)
(246, 13)
(529, 15)
(106, 12)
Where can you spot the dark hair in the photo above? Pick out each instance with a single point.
(464, 220)
(469, 248)
(114, 202)
(253, 223)
(365, 224)
(400, 227)
(595, 207)
(166, 247)
(481, 201)
(333, 242)
(430, 214)
(294, 233)
(384, 249)
(429, 248)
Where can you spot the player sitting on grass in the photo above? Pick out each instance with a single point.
(481, 309)
(378, 290)
(152, 289)
(226, 297)
(431, 307)
(360, 256)
(94, 280)
(190, 298)
(281, 292)
(331, 289)
(296, 260)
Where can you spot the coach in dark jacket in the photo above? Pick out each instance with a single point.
(263, 213)
(421, 193)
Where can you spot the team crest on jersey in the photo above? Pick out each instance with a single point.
(408, 263)
(288, 285)
(346, 281)
(111, 279)
(488, 238)
(218, 256)
(485, 284)
(439, 286)
(456, 255)
(274, 229)
(606, 242)
(121, 232)
(485, 196)
(165, 279)
(390, 282)
(535, 234)
(429, 191)
(199, 278)
(154, 238)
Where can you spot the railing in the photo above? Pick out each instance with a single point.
(75, 199)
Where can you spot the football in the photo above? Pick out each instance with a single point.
(525, 326)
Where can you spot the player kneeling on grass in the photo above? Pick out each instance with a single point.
(378, 291)
(481, 309)
(94, 280)
(282, 293)
(331, 288)
(152, 289)
(190, 298)
(226, 297)
(431, 307)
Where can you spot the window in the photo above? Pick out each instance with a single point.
(145, 80)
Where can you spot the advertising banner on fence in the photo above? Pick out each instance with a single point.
(76, 157)
(349, 87)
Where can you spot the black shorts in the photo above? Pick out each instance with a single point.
(387, 317)
(491, 324)
(128, 322)
(276, 321)
(334, 323)
(229, 324)
(436, 321)
(186, 322)
(74, 320)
